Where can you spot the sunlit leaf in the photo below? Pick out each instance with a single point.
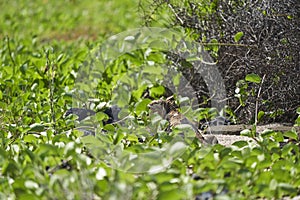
(298, 110)
(260, 115)
(141, 106)
(254, 78)
(29, 138)
(31, 184)
(291, 134)
(238, 36)
(157, 91)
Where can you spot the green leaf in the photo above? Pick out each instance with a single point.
(132, 138)
(224, 152)
(267, 133)
(238, 36)
(260, 115)
(109, 127)
(139, 92)
(157, 57)
(91, 141)
(157, 91)
(246, 132)
(59, 57)
(291, 134)
(273, 184)
(297, 121)
(240, 144)
(36, 127)
(141, 106)
(254, 78)
(171, 194)
(118, 137)
(100, 116)
(287, 187)
(29, 138)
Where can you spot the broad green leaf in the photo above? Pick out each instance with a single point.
(109, 127)
(173, 194)
(91, 141)
(291, 134)
(30, 138)
(287, 187)
(297, 122)
(132, 138)
(164, 177)
(141, 106)
(224, 152)
(100, 116)
(286, 150)
(267, 133)
(240, 144)
(237, 154)
(246, 132)
(238, 36)
(254, 78)
(139, 92)
(157, 91)
(157, 57)
(36, 127)
(260, 115)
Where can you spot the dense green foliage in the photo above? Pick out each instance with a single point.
(42, 155)
(244, 37)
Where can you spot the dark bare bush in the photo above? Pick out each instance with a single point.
(270, 47)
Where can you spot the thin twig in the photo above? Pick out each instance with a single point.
(121, 120)
(228, 44)
(176, 15)
(257, 98)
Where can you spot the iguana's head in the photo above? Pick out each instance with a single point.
(162, 106)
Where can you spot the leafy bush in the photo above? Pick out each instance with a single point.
(44, 156)
(244, 37)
